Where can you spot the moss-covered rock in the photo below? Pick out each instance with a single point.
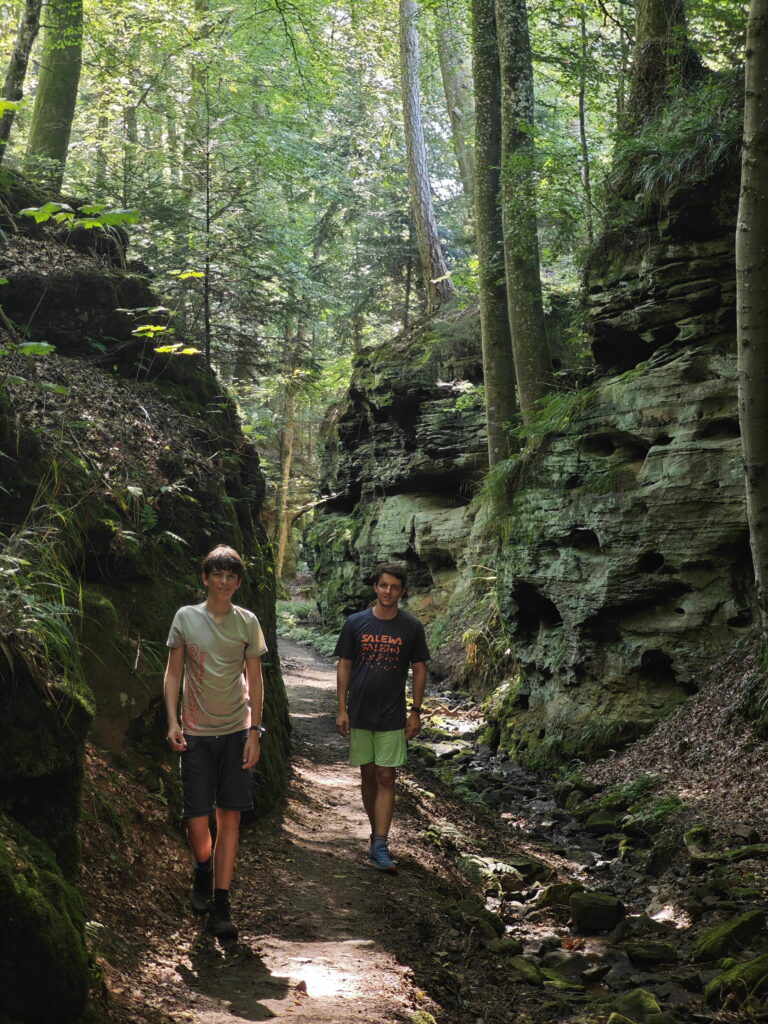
(474, 914)
(596, 911)
(729, 937)
(43, 958)
(638, 1004)
(745, 979)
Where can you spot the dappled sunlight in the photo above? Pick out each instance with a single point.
(338, 969)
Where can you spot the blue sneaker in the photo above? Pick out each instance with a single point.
(378, 855)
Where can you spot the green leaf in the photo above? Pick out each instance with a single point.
(45, 212)
(36, 348)
(3, 280)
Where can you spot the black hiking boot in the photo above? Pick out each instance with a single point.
(201, 893)
(220, 922)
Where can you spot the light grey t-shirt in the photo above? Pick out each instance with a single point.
(215, 696)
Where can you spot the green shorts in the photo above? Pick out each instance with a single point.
(386, 749)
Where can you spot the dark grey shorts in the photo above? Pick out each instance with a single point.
(212, 774)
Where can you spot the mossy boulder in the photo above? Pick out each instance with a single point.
(745, 979)
(43, 957)
(523, 969)
(647, 953)
(722, 939)
(596, 911)
(638, 1005)
(474, 914)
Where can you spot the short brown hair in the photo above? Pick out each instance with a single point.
(391, 570)
(225, 558)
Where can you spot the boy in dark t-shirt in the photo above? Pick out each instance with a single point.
(375, 649)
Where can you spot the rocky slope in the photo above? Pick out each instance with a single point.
(612, 561)
(120, 468)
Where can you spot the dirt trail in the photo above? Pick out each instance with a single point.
(316, 924)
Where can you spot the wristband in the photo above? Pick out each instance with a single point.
(260, 729)
(417, 710)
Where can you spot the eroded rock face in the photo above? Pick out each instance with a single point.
(620, 555)
(626, 566)
(401, 462)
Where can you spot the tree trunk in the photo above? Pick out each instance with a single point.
(583, 141)
(293, 350)
(752, 295)
(56, 95)
(457, 84)
(498, 364)
(518, 206)
(664, 61)
(13, 89)
(438, 286)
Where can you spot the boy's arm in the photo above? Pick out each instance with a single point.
(171, 690)
(343, 675)
(413, 725)
(255, 681)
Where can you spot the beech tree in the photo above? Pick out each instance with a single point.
(752, 295)
(498, 363)
(13, 87)
(664, 61)
(56, 95)
(518, 206)
(457, 84)
(437, 284)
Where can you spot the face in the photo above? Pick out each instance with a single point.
(388, 589)
(221, 582)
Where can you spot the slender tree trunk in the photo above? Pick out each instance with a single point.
(621, 85)
(583, 141)
(664, 61)
(56, 95)
(282, 514)
(294, 346)
(498, 364)
(13, 89)
(518, 205)
(752, 295)
(438, 286)
(457, 85)
(101, 165)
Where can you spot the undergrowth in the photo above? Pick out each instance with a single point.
(686, 143)
(300, 621)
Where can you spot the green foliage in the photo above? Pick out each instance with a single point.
(39, 605)
(686, 143)
(300, 621)
(625, 794)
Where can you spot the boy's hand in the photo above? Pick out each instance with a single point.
(176, 738)
(413, 725)
(252, 751)
(342, 724)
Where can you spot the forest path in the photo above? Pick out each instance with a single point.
(316, 924)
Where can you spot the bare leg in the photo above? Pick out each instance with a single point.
(199, 835)
(368, 789)
(384, 807)
(227, 836)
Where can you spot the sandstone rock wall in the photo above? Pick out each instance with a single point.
(619, 553)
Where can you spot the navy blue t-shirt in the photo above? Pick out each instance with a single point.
(381, 651)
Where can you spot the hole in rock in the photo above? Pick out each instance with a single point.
(572, 482)
(741, 619)
(583, 539)
(725, 427)
(662, 440)
(534, 610)
(598, 444)
(656, 666)
(650, 561)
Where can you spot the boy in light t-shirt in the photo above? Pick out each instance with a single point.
(217, 647)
